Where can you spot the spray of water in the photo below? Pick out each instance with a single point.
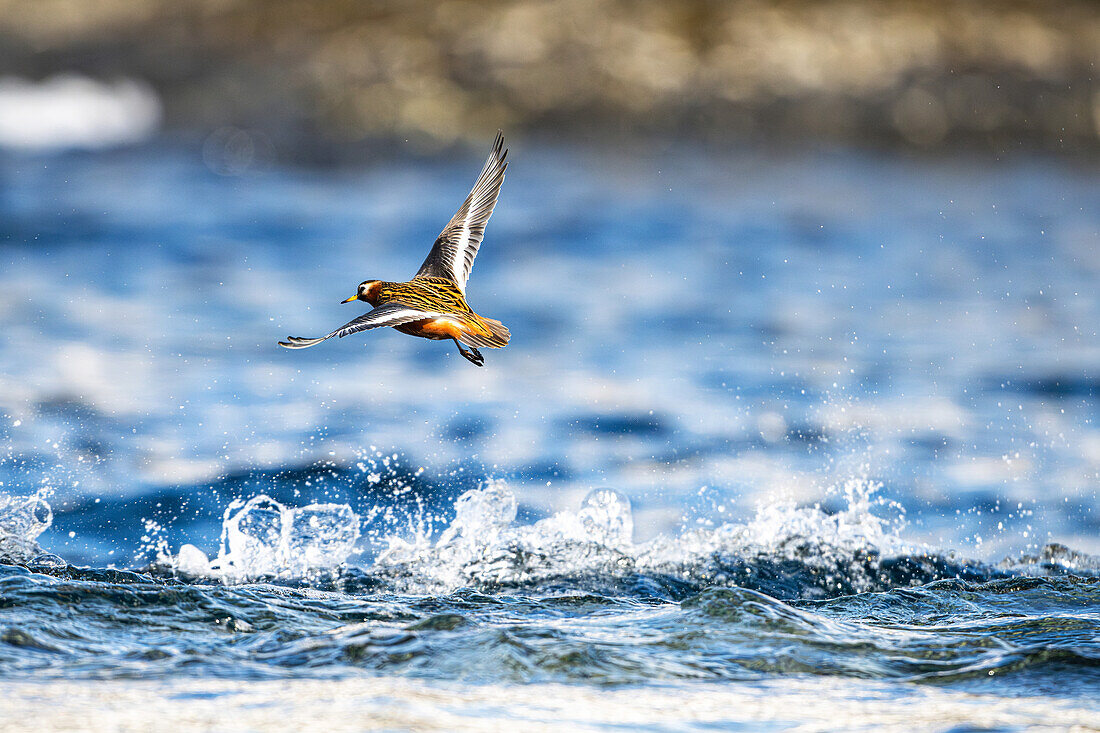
(484, 545)
(22, 520)
(263, 538)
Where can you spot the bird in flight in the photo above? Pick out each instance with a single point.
(433, 304)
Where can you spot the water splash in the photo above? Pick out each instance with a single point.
(485, 547)
(785, 549)
(788, 529)
(263, 538)
(22, 520)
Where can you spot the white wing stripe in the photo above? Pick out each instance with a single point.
(458, 257)
(453, 254)
(390, 314)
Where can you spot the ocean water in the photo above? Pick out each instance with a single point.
(781, 441)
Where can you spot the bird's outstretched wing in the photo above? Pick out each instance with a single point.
(389, 314)
(452, 257)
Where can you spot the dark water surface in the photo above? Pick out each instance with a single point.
(777, 442)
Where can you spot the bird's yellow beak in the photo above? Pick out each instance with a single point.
(354, 297)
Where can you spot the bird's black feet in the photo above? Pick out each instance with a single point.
(472, 355)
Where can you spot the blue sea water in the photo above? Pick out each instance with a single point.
(780, 440)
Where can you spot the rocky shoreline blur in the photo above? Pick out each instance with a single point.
(996, 75)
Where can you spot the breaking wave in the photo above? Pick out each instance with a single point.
(796, 590)
(784, 550)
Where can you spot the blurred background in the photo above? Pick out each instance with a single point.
(749, 252)
(331, 79)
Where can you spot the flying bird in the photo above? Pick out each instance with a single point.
(433, 304)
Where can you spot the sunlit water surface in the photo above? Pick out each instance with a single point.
(778, 441)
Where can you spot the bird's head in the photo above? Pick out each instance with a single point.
(367, 292)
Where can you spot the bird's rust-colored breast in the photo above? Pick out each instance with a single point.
(434, 328)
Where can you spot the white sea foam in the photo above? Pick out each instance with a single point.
(69, 111)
